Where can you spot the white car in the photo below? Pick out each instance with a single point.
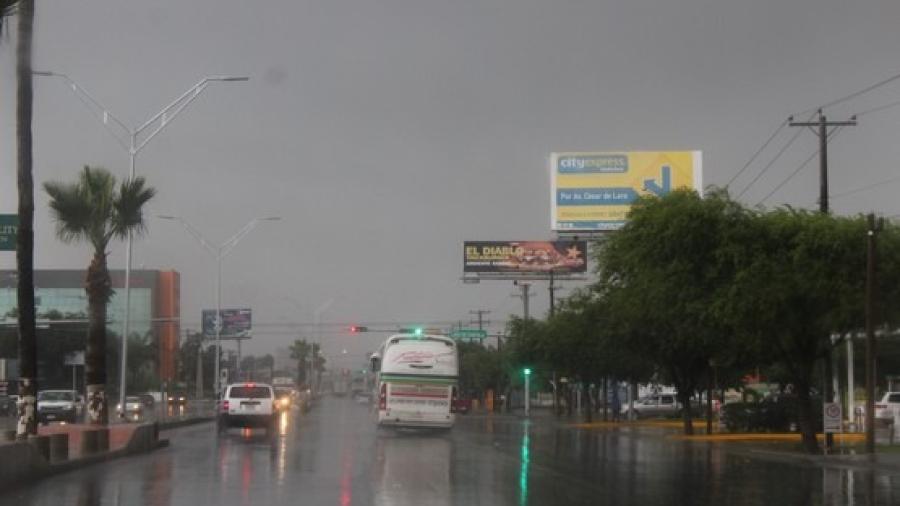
(888, 406)
(657, 405)
(248, 405)
(59, 406)
(134, 408)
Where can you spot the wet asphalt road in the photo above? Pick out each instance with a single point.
(335, 456)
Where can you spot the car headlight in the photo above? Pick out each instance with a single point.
(181, 399)
(118, 407)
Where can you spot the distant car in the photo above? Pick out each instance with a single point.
(657, 405)
(59, 406)
(363, 398)
(248, 405)
(463, 405)
(147, 400)
(134, 408)
(177, 398)
(888, 406)
(285, 397)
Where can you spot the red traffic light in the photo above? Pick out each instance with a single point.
(355, 329)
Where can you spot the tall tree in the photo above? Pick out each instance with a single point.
(300, 352)
(662, 276)
(94, 210)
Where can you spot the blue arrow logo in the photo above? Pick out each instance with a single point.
(651, 186)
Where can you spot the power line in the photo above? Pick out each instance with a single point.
(855, 94)
(758, 151)
(879, 108)
(771, 163)
(865, 188)
(800, 168)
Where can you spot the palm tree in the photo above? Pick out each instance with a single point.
(299, 352)
(27, 421)
(94, 210)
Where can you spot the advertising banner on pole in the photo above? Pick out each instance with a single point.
(9, 225)
(594, 191)
(525, 256)
(236, 323)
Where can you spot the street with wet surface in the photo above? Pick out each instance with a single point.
(335, 455)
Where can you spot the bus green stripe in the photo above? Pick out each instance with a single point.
(415, 378)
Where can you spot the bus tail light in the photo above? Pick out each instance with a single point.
(382, 397)
(453, 400)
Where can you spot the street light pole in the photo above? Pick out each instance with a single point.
(133, 147)
(219, 252)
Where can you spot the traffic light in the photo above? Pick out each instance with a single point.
(356, 329)
(418, 331)
(527, 371)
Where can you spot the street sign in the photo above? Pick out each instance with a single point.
(831, 419)
(9, 225)
(468, 334)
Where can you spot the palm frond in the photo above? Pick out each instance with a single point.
(70, 210)
(128, 215)
(7, 9)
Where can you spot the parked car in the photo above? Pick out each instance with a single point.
(774, 413)
(59, 406)
(888, 406)
(134, 408)
(656, 405)
(248, 405)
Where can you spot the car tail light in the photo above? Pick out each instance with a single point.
(453, 400)
(225, 406)
(382, 397)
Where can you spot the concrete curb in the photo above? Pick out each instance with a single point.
(21, 462)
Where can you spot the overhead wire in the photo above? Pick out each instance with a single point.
(800, 168)
(853, 95)
(784, 148)
(757, 153)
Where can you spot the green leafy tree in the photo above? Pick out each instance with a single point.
(662, 276)
(802, 281)
(95, 210)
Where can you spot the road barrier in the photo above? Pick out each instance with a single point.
(59, 447)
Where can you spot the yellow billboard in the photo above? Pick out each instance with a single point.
(594, 191)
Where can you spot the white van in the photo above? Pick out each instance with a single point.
(417, 381)
(248, 405)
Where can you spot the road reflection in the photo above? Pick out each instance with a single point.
(413, 468)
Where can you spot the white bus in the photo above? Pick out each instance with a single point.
(417, 381)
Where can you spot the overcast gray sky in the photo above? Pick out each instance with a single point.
(386, 132)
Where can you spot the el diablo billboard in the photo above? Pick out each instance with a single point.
(236, 323)
(594, 191)
(524, 256)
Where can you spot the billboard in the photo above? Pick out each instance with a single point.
(524, 256)
(594, 191)
(9, 225)
(236, 323)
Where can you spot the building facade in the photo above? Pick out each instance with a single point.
(155, 304)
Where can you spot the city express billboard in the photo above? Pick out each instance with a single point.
(236, 323)
(594, 191)
(524, 256)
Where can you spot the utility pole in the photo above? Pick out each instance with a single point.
(525, 295)
(481, 321)
(821, 126)
(821, 129)
(871, 282)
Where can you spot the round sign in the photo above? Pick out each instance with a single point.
(833, 411)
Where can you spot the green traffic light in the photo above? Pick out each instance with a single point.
(418, 331)
(527, 371)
